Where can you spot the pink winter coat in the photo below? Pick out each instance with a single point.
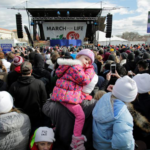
(72, 78)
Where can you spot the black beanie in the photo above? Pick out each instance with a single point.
(131, 57)
(112, 57)
(67, 54)
(124, 55)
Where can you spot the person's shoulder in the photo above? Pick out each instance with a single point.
(14, 84)
(38, 81)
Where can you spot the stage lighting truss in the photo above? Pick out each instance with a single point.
(65, 18)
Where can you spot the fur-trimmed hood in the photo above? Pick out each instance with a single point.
(69, 62)
(140, 120)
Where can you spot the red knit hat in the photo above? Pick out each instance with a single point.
(18, 60)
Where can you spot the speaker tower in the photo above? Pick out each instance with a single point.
(19, 25)
(109, 26)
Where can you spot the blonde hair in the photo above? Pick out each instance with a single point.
(95, 54)
(13, 110)
(99, 94)
(17, 54)
(112, 100)
(99, 57)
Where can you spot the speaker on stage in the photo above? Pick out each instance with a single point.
(19, 25)
(109, 26)
(29, 35)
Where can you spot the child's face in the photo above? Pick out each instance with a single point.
(43, 145)
(86, 61)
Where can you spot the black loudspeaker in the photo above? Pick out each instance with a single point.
(109, 26)
(19, 25)
(29, 35)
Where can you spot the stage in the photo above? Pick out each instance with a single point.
(65, 42)
(59, 25)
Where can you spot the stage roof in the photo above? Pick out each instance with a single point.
(74, 12)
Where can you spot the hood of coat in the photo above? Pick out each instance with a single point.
(11, 121)
(104, 111)
(123, 62)
(139, 120)
(38, 61)
(68, 62)
(26, 79)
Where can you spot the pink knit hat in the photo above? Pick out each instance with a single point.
(18, 60)
(87, 53)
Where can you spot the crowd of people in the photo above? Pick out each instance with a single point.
(70, 98)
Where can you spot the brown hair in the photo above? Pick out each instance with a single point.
(10, 56)
(99, 94)
(54, 57)
(2, 66)
(13, 110)
(95, 54)
(17, 54)
(1, 55)
(99, 58)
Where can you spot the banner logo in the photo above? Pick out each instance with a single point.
(72, 35)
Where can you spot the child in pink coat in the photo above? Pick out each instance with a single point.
(73, 76)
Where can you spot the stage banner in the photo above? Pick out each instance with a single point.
(65, 30)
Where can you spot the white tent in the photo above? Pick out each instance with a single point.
(102, 40)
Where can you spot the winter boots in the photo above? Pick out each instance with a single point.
(78, 142)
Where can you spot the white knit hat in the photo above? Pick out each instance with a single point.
(44, 134)
(6, 102)
(143, 82)
(90, 87)
(125, 89)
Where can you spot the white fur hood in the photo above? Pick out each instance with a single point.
(69, 62)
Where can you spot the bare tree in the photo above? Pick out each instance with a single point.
(131, 36)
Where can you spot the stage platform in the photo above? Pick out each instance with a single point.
(65, 42)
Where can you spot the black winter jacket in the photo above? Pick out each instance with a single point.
(63, 120)
(142, 105)
(12, 77)
(29, 95)
(40, 73)
(130, 65)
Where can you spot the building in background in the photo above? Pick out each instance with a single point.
(5, 34)
(12, 34)
(24, 39)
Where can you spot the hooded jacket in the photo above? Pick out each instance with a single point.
(72, 78)
(14, 131)
(112, 126)
(12, 77)
(29, 95)
(130, 66)
(40, 73)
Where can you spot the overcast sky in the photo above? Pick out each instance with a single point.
(132, 15)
